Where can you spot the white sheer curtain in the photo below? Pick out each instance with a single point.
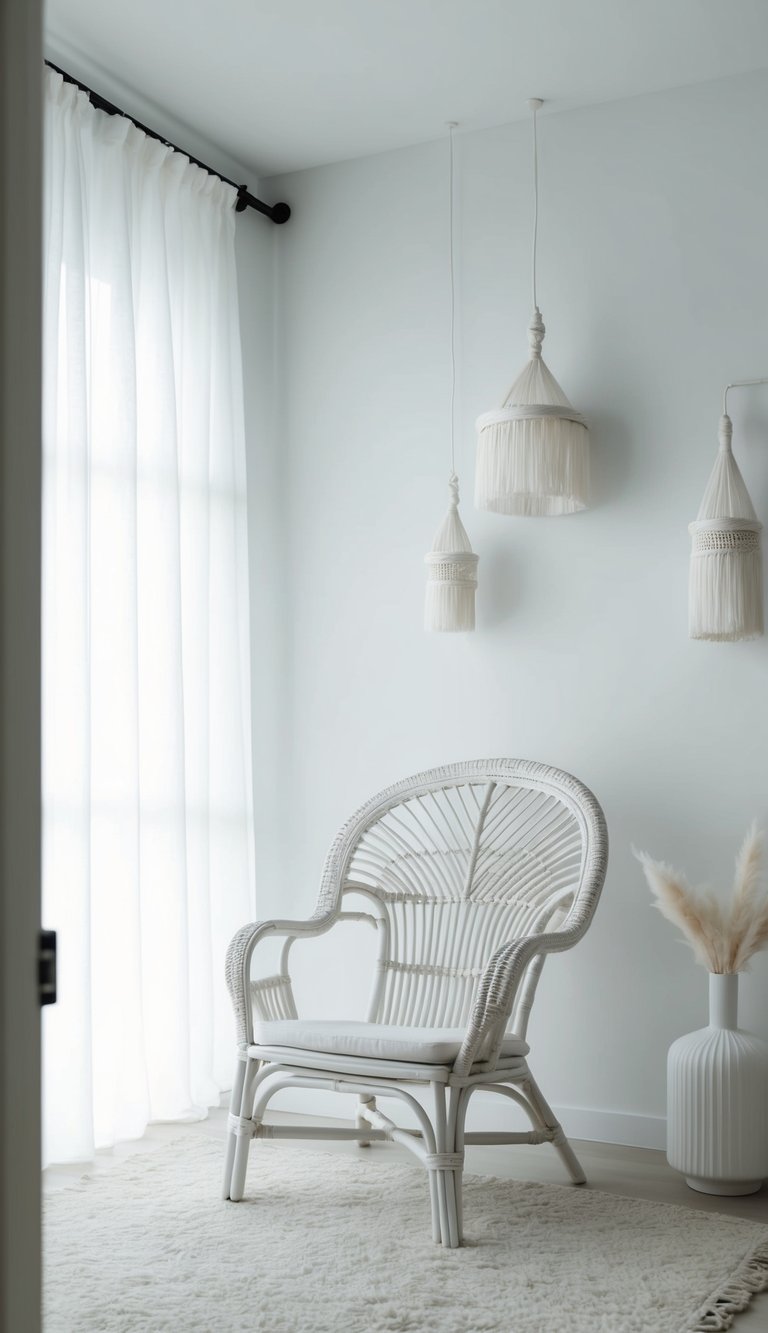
(146, 716)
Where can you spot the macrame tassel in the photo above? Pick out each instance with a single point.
(451, 572)
(725, 591)
(533, 454)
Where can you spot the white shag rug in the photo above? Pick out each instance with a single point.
(333, 1243)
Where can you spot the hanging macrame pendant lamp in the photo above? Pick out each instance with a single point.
(451, 564)
(725, 590)
(451, 572)
(533, 451)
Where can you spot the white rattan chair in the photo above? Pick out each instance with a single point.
(472, 874)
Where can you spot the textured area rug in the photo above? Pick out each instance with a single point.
(330, 1241)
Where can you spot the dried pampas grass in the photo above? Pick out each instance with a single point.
(723, 936)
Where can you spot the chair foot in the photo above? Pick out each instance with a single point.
(360, 1119)
(239, 1168)
(229, 1162)
(568, 1157)
(445, 1198)
(454, 1186)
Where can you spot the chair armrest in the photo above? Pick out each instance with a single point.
(242, 945)
(240, 952)
(496, 993)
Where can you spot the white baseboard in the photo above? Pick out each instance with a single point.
(634, 1131)
(579, 1122)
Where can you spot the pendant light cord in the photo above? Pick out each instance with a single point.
(535, 108)
(451, 128)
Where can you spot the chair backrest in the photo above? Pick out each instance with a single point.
(460, 860)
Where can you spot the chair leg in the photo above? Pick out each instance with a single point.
(360, 1120)
(445, 1184)
(243, 1143)
(235, 1099)
(456, 1116)
(452, 1240)
(559, 1141)
(437, 1234)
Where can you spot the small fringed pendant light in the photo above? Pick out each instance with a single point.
(533, 452)
(451, 563)
(725, 590)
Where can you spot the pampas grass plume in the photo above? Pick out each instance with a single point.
(723, 936)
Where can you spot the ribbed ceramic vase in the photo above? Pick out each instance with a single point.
(717, 1099)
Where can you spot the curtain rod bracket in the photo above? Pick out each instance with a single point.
(278, 213)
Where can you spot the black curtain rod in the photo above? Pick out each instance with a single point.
(276, 212)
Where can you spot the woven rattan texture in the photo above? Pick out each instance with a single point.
(470, 864)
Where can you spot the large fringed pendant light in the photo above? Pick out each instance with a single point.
(533, 452)
(725, 591)
(451, 563)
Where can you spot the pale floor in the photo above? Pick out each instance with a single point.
(641, 1173)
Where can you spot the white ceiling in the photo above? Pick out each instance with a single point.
(287, 84)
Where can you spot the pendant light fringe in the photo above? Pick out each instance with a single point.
(725, 589)
(450, 606)
(725, 592)
(451, 572)
(533, 468)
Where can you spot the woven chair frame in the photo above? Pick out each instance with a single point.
(471, 874)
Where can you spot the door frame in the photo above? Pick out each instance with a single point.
(20, 503)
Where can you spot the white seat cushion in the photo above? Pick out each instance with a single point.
(374, 1041)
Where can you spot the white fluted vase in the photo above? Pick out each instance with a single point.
(717, 1099)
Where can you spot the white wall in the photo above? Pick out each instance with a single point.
(654, 288)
